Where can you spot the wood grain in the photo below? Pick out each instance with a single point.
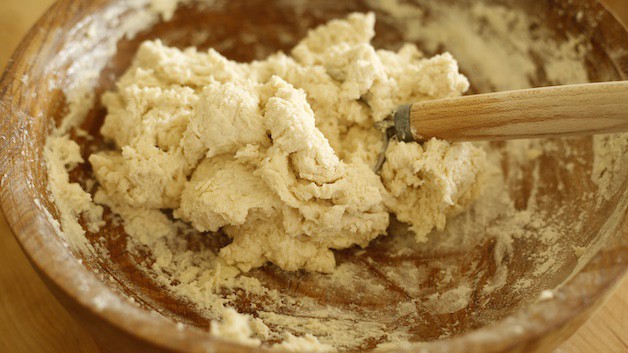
(569, 110)
(33, 321)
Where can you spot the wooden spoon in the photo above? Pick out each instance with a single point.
(583, 109)
(570, 110)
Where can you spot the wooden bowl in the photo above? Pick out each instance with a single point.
(75, 40)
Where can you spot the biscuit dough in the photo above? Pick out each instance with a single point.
(277, 153)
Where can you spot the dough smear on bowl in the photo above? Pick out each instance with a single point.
(278, 153)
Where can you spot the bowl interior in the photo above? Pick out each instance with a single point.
(549, 207)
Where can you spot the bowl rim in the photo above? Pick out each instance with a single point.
(62, 272)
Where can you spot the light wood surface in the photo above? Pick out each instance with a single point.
(569, 110)
(33, 321)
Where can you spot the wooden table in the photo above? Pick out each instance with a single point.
(33, 321)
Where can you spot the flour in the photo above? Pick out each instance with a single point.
(511, 38)
(235, 327)
(449, 301)
(78, 88)
(62, 155)
(307, 343)
(608, 151)
(166, 8)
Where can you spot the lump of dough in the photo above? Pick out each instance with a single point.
(292, 126)
(290, 203)
(278, 153)
(357, 67)
(161, 66)
(223, 192)
(158, 116)
(339, 203)
(355, 29)
(235, 327)
(413, 79)
(428, 183)
(141, 176)
(227, 117)
(263, 239)
(147, 125)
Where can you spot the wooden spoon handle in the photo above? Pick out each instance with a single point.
(582, 109)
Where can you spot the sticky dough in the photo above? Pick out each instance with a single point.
(278, 153)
